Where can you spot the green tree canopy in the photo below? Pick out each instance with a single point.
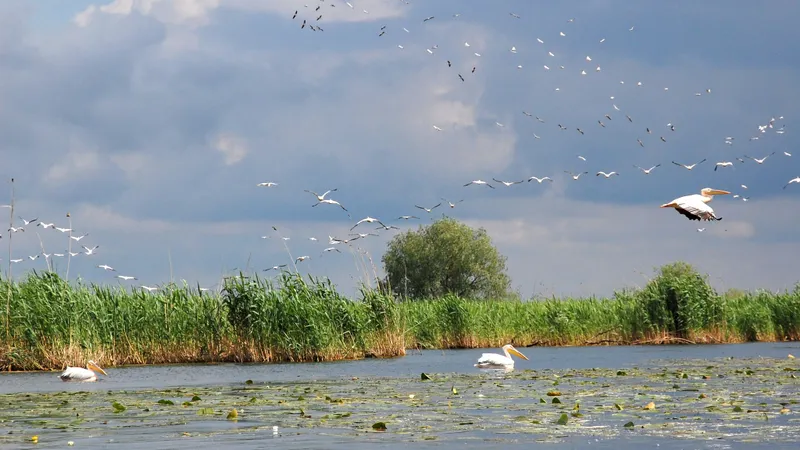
(445, 257)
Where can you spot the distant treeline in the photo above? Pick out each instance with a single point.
(48, 323)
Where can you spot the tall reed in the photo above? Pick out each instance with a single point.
(52, 322)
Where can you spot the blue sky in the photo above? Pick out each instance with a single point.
(152, 121)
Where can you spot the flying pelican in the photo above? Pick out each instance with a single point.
(793, 180)
(497, 361)
(722, 164)
(647, 171)
(479, 182)
(575, 176)
(81, 374)
(695, 206)
(507, 183)
(267, 184)
(451, 204)
(540, 180)
(607, 175)
(320, 197)
(688, 166)
(759, 161)
(428, 210)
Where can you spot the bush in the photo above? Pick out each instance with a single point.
(679, 300)
(446, 257)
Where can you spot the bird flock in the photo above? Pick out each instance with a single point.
(465, 63)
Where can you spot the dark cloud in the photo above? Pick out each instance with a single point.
(158, 130)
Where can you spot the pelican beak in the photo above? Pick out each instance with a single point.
(718, 192)
(514, 351)
(94, 367)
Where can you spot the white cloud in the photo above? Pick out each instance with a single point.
(232, 147)
(75, 164)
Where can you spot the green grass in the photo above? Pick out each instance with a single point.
(53, 323)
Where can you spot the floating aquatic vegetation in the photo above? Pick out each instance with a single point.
(735, 399)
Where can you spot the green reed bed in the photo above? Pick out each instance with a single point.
(53, 323)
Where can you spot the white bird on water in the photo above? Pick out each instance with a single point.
(695, 206)
(81, 374)
(495, 360)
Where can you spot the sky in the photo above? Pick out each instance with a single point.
(152, 121)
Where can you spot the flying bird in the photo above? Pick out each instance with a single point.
(722, 164)
(428, 210)
(452, 204)
(607, 175)
(330, 202)
(267, 184)
(793, 180)
(575, 176)
(695, 206)
(126, 277)
(367, 219)
(28, 222)
(759, 161)
(508, 183)
(539, 180)
(107, 267)
(320, 197)
(647, 171)
(689, 166)
(479, 182)
(90, 251)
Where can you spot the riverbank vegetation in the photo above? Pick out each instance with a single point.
(53, 323)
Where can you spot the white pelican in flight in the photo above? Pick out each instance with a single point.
(695, 206)
(81, 374)
(497, 361)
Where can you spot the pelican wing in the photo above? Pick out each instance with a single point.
(78, 374)
(694, 208)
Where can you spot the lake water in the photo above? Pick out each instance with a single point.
(333, 405)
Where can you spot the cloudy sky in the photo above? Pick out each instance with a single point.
(152, 121)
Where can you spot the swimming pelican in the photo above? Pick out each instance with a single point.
(497, 361)
(81, 374)
(695, 206)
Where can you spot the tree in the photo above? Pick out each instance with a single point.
(445, 257)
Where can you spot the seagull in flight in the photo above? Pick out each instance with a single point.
(452, 204)
(321, 197)
(367, 219)
(126, 277)
(428, 210)
(607, 175)
(330, 202)
(759, 161)
(575, 176)
(479, 182)
(689, 166)
(647, 171)
(90, 251)
(539, 180)
(722, 164)
(507, 183)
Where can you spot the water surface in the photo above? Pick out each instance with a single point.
(712, 396)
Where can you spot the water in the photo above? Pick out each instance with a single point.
(490, 410)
